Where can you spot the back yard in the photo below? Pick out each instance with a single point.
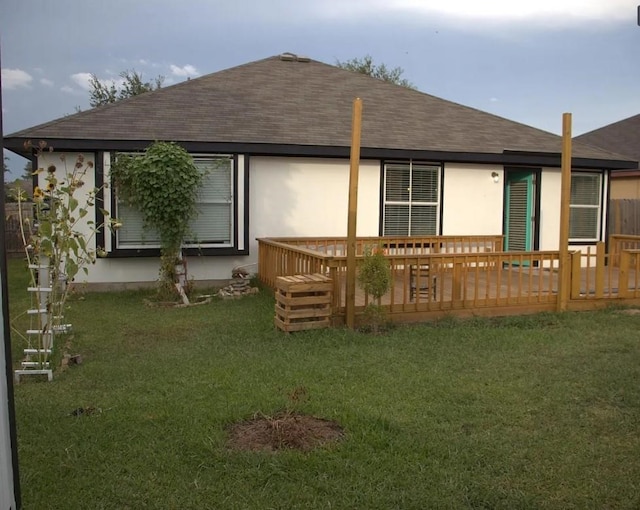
(540, 411)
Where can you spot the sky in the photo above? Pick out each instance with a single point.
(528, 61)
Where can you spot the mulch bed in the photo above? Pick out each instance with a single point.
(284, 430)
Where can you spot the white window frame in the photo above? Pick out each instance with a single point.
(411, 202)
(597, 206)
(230, 200)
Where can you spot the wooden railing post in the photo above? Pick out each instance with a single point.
(456, 290)
(600, 261)
(564, 277)
(623, 275)
(576, 274)
(614, 256)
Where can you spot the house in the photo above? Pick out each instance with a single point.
(274, 136)
(622, 137)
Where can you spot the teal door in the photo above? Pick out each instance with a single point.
(519, 217)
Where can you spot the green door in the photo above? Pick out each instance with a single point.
(519, 211)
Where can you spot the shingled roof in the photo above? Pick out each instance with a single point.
(622, 137)
(286, 100)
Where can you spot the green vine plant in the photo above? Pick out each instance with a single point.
(162, 183)
(58, 245)
(374, 278)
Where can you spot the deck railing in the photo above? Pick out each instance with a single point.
(337, 246)
(592, 276)
(430, 274)
(618, 243)
(442, 274)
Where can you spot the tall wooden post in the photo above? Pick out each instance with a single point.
(356, 128)
(564, 271)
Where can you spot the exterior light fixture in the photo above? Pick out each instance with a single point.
(495, 176)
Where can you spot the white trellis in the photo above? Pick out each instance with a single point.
(46, 321)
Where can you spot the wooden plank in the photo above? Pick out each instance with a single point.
(564, 274)
(576, 259)
(320, 299)
(600, 268)
(302, 313)
(303, 282)
(302, 326)
(623, 276)
(354, 167)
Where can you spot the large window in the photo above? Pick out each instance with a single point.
(411, 199)
(212, 227)
(585, 207)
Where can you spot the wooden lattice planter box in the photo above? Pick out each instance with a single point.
(303, 302)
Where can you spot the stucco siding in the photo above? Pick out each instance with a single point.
(549, 218)
(307, 197)
(472, 200)
(64, 163)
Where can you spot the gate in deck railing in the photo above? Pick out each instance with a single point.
(598, 275)
(629, 286)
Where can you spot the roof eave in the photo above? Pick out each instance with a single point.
(507, 157)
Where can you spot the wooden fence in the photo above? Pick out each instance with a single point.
(624, 216)
(13, 243)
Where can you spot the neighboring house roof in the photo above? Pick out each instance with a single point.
(295, 103)
(622, 137)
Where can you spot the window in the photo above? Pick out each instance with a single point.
(214, 224)
(411, 199)
(585, 207)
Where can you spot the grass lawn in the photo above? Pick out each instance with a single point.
(533, 412)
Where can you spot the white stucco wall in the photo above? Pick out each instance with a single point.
(288, 197)
(309, 197)
(65, 169)
(472, 200)
(549, 219)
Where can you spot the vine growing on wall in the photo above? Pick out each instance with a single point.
(162, 183)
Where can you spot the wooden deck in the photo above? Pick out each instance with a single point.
(465, 276)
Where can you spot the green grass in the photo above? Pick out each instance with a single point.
(533, 412)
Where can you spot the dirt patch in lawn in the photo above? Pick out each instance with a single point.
(284, 430)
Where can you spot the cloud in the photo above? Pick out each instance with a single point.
(82, 80)
(493, 100)
(15, 78)
(184, 72)
(508, 9)
(46, 82)
(558, 11)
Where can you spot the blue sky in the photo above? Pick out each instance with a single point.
(523, 60)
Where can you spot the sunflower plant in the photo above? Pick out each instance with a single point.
(58, 241)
